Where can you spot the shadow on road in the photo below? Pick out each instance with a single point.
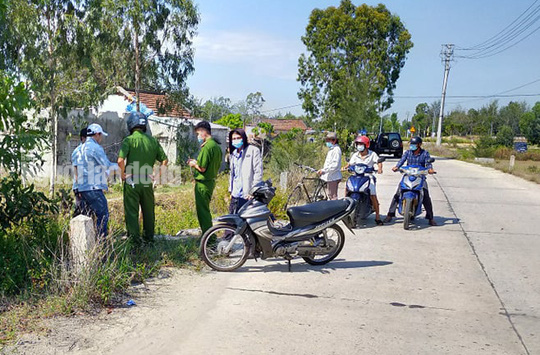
(280, 265)
(422, 223)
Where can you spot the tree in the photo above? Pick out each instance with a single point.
(510, 114)
(355, 55)
(529, 124)
(75, 53)
(216, 108)
(505, 136)
(231, 120)
(420, 119)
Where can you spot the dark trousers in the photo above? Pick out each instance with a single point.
(95, 202)
(426, 202)
(236, 204)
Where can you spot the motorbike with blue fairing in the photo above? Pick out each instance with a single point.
(357, 188)
(312, 232)
(411, 192)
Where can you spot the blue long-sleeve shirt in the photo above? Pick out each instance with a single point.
(92, 167)
(421, 159)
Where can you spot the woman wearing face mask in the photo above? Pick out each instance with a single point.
(331, 172)
(246, 166)
(365, 156)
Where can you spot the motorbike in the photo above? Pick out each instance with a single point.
(357, 187)
(312, 232)
(411, 192)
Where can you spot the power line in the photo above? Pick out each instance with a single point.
(508, 37)
(281, 108)
(466, 96)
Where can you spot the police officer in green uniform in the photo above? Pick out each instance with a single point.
(205, 170)
(136, 160)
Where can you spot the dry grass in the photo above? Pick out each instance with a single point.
(529, 170)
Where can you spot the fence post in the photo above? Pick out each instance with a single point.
(283, 180)
(512, 162)
(82, 239)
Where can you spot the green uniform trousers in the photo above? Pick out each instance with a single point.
(203, 195)
(143, 196)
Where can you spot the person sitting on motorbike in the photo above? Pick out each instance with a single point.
(365, 156)
(414, 156)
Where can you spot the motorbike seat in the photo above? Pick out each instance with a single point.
(316, 212)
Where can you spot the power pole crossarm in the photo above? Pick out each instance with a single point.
(447, 54)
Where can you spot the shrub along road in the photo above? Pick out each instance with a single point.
(468, 286)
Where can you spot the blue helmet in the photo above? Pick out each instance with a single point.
(136, 120)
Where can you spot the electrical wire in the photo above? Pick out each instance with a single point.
(508, 37)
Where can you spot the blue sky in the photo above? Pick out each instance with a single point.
(246, 46)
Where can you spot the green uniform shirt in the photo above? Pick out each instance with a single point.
(209, 158)
(140, 147)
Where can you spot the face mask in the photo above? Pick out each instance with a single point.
(200, 140)
(360, 147)
(237, 143)
(413, 147)
(329, 145)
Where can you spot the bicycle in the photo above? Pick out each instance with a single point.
(300, 194)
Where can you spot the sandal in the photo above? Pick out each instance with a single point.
(379, 222)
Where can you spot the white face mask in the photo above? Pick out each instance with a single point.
(360, 147)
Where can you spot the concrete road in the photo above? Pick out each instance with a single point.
(469, 286)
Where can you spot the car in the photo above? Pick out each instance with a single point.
(388, 143)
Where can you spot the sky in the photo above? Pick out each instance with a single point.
(246, 46)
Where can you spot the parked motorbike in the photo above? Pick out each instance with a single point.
(357, 187)
(411, 192)
(311, 234)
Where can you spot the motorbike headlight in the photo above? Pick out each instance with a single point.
(359, 169)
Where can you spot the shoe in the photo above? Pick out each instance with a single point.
(388, 218)
(379, 222)
(432, 222)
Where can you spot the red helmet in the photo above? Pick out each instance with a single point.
(362, 139)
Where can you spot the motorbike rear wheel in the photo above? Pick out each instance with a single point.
(407, 213)
(363, 209)
(334, 237)
(222, 250)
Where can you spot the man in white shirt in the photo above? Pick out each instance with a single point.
(331, 172)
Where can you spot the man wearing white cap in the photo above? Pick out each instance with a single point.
(92, 177)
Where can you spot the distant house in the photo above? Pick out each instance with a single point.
(281, 126)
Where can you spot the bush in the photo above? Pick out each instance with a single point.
(485, 147)
(505, 136)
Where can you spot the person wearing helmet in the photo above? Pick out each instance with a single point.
(363, 155)
(414, 156)
(136, 159)
(331, 172)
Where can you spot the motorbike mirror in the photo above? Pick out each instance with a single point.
(431, 160)
(381, 159)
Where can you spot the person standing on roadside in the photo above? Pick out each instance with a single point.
(92, 177)
(246, 168)
(205, 170)
(331, 171)
(136, 159)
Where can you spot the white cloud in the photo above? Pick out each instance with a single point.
(260, 53)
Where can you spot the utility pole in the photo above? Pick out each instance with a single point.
(447, 53)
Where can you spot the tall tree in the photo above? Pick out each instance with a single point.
(355, 55)
(75, 53)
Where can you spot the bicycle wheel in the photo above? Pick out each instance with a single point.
(296, 198)
(222, 249)
(320, 192)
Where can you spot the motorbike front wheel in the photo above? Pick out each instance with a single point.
(222, 249)
(407, 212)
(332, 237)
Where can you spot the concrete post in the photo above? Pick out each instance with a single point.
(82, 239)
(512, 162)
(283, 180)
